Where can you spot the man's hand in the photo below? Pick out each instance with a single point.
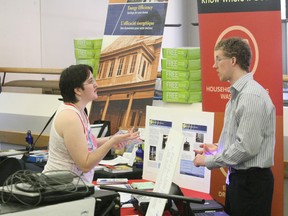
(199, 160)
(207, 149)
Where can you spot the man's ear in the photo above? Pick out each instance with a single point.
(234, 60)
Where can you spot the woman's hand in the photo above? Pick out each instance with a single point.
(121, 140)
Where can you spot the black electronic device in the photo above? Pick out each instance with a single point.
(102, 128)
(175, 199)
(32, 189)
(53, 194)
(107, 203)
(141, 202)
(209, 205)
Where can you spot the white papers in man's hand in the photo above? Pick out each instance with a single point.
(118, 160)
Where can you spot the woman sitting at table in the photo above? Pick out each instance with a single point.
(72, 146)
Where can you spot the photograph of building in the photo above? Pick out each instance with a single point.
(126, 78)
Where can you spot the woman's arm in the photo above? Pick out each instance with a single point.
(102, 140)
(69, 126)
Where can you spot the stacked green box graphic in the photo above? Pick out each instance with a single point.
(181, 64)
(181, 53)
(185, 85)
(181, 75)
(174, 75)
(182, 97)
(87, 51)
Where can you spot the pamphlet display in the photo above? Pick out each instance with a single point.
(196, 128)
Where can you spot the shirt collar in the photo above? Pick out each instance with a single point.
(239, 84)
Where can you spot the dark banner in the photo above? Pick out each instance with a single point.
(222, 6)
(136, 19)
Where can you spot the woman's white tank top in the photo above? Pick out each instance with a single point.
(58, 155)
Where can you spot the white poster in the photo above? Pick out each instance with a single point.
(165, 175)
(195, 126)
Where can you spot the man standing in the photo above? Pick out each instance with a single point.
(247, 141)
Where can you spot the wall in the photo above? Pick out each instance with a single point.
(20, 112)
(50, 27)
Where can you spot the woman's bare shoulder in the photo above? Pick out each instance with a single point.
(66, 118)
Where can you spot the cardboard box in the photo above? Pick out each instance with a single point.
(175, 85)
(195, 97)
(180, 64)
(87, 53)
(182, 97)
(187, 85)
(88, 43)
(195, 86)
(181, 53)
(94, 63)
(195, 75)
(175, 75)
(176, 97)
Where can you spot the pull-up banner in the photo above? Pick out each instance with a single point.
(258, 21)
(129, 59)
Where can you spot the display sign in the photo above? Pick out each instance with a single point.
(196, 128)
(165, 175)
